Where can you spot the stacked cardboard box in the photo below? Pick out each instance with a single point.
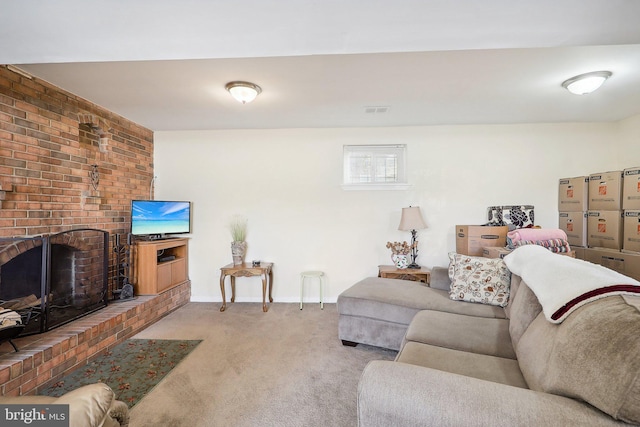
(573, 198)
(631, 207)
(622, 262)
(631, 234)
(603, 224)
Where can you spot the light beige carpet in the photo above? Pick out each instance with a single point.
(285, 367)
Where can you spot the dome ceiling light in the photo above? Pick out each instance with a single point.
(244, 92)
(586, 83)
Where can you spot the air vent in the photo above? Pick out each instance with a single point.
(376, 110)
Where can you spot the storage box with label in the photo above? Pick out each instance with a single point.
(631, 189)
(573, 194)
(631, 231)
(574, 224)
(470, 239)
(495, 252)
(518, 216)
(604, 229)
(605, 191)
(624, 263)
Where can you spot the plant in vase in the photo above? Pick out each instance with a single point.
(238, 229)
(400, 253)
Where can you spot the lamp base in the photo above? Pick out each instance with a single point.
(414, 265)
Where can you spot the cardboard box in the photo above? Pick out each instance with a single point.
(631, 231)
(470, 239)
(495, 252)
(573, 194)
(631, 189)
(519, 216)
(579, 252)
(575, 225)
(604, 229)
(624, 263)
(605, 191)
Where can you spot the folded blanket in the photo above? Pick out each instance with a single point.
(536, 234)
(562, 284)
(554, 245)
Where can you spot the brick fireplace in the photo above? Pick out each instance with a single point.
(68, 164)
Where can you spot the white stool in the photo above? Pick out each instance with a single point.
(311, 274)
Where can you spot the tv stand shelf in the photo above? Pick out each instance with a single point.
(160, 265)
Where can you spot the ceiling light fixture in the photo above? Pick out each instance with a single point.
(586, 83)
(244, 92)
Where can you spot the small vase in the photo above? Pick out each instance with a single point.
(238, 251)
(401, 261)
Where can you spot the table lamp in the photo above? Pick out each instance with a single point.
(411, 220)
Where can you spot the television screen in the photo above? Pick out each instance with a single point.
(158, 217)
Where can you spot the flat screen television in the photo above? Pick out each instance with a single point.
(159, 218)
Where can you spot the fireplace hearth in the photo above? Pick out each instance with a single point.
(52, 280)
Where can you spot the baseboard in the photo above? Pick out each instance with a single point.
(204, 298)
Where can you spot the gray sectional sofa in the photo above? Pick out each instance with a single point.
(469, 364)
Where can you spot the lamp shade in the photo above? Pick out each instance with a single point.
(411, 219)
(243, 92)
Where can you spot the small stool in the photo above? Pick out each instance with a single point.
(311, 274)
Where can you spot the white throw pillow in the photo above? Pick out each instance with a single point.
(478, 279)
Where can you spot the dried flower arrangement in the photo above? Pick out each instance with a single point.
(398, 248)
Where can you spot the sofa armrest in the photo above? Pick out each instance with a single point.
(92, 405)
(393, 393)
(440, 278)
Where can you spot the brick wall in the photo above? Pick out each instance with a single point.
(59, 352)
(66, 163)
(50, 141)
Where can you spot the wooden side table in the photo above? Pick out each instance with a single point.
(247, 270)
(422, 274)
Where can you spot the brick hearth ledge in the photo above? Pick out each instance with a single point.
(45, 358)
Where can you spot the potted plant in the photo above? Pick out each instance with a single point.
(238, 229)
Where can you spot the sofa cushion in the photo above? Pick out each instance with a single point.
(481, 366)
(513, 289)
(479, 279)
(594, 355)
(523, 308)
(440, 279)
(366, 330)
(398, 301)
(466, 333)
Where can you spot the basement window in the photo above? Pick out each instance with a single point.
(375, 167)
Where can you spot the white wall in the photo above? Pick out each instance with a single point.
(629, 135)
(287, 183)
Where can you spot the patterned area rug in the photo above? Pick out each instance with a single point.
(131, 368)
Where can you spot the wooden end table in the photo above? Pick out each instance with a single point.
(247, 270)
(422, 274)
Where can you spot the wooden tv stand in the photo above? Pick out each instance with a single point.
(153, 275)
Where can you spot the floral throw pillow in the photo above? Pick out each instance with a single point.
(479, 279)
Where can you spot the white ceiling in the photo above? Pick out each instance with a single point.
(164, 64)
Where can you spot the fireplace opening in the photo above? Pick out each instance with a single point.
(52, 280)
(21, 281)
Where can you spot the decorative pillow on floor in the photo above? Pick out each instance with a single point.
(479, 279)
